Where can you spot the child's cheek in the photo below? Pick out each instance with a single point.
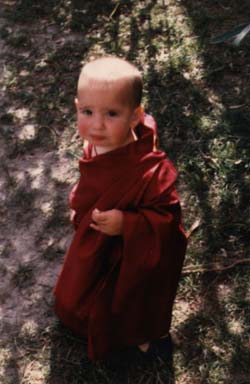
(82, 128)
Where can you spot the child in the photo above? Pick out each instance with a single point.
(120, 276)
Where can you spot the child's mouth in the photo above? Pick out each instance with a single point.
(97, 137)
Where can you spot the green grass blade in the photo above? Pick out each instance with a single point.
(237, 34)
(241, 35)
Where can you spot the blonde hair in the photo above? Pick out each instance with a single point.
(110, 69)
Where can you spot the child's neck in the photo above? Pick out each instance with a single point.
(99, 150)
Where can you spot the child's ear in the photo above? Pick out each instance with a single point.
(137, 116)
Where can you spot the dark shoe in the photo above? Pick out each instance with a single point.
(162, 348)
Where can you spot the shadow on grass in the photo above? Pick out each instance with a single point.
(124, 367)
(208, 140)
(25, 238)
(221, 163)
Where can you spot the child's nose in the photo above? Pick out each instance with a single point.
(99, 122)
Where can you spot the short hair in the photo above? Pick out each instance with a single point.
(110, 69)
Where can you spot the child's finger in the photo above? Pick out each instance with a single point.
(95, 226)
(95, 214)
(99, 228)
(99, 217)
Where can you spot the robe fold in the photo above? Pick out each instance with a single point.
(119, 290)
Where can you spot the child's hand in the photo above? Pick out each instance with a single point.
(108, 222)
(72, 215)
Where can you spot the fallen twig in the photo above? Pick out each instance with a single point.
(193, 227)
(114, 11)
(213, 267)
(159, 380)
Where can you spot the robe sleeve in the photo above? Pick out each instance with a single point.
(74, 217)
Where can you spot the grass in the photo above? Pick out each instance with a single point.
(199, 94)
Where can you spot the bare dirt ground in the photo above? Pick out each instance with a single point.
(34, 184)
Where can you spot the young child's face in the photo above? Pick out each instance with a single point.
(105, 118)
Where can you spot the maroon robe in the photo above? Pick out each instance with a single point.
(119, 290)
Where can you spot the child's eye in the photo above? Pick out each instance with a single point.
(86, 112)
(112, 113)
